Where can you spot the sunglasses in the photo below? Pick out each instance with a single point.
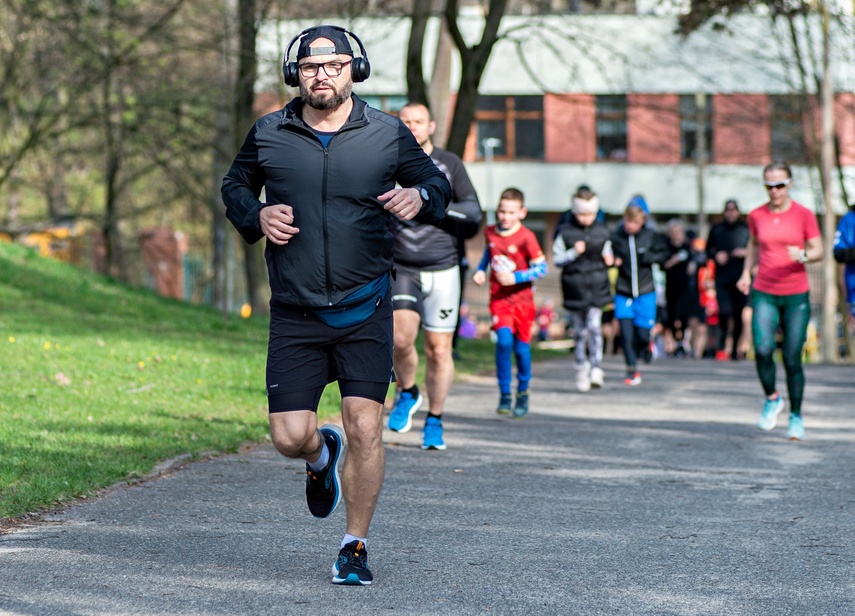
(776, 185)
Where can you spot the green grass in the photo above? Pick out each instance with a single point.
(101, 382)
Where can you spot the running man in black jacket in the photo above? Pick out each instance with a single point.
(328, 165)
(427, 289)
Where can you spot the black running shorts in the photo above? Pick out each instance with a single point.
(304, 355)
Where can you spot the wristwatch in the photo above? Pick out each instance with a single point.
(803, 258)
(425, 195)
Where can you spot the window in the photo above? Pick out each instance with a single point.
(611, 127)
(515, 121)
(689, 127)
(788, 129)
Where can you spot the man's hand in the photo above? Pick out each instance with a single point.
(580, 247)
(404, 203)
(277, 223)
(479, 277)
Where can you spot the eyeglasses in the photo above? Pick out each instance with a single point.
(776, 185)
(332, 69)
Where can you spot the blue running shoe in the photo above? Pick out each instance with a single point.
(769, 417)
(505, 404)
(351, 568)
(521, 406)
(433, 434)
(401, 417)
(323, 488)
(796, 429)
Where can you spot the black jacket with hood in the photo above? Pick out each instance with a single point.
(638, 253)
(345, 239)
(584, 278)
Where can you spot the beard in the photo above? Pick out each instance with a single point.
(330, 100)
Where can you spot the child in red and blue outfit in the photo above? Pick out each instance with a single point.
(516, 260)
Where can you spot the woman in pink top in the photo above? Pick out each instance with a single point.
(784, 237)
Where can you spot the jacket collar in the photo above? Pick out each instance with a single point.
(292, 114)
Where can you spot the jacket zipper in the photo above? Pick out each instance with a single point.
(633, 265)
(327, 271)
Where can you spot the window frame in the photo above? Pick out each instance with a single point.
(602, 114)
(786, 121)
(691, 119)
(507, 116)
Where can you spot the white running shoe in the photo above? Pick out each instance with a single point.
(583, 379)
(597, 377)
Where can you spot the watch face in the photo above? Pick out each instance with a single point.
(424, 194)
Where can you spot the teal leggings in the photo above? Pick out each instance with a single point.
(791, 313)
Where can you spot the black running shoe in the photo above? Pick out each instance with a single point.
(323, 488)
(351, 568)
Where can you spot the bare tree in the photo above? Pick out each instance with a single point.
(473, 61)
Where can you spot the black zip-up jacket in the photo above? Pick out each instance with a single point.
(726, 237)
(345, 239)
(637, 253)
(438, 247)
(585, 277)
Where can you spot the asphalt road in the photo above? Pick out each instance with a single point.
(658, 499)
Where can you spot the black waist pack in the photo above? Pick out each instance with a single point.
(356, 307)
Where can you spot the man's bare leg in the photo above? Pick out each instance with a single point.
(439, 369)
(365, 463)
(295, 434)
(406, 356)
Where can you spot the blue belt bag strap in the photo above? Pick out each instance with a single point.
(356, 307)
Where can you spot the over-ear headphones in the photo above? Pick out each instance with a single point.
(360, 68)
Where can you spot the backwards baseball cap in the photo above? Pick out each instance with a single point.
(333, 33)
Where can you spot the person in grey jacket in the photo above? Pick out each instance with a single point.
(328, 165)
(583, 250)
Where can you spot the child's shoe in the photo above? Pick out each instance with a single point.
(505, 404)
(632, 379)
(583, 379)
(521, 406)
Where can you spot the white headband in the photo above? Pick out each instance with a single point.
(583, 206)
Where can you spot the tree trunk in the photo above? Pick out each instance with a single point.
(473, 61)
(256, 281)
(416, 88)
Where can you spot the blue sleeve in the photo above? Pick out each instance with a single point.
(485, 260)
(538, 270)
(844, 240)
